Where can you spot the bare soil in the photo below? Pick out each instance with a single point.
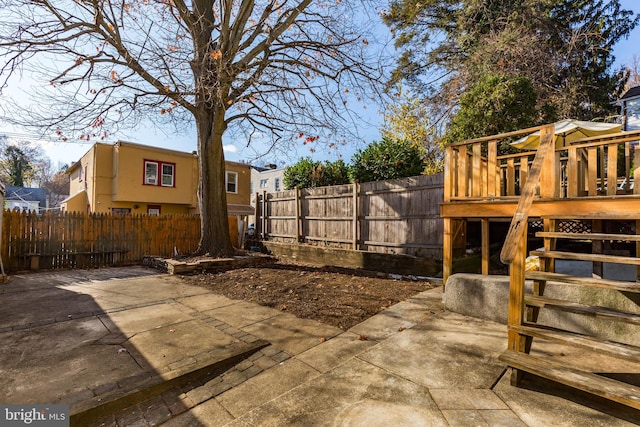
(335, 296)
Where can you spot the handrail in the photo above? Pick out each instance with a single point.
(519, 220)
(516, 155)
(630, 134)
(585, 144)
(499, 136)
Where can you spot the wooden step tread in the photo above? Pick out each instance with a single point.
(607, 388)
(589, 236)
(620, 350)
(588, 310)
(584, 281)
(587, 257)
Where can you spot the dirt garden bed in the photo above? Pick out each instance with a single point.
(335, 296)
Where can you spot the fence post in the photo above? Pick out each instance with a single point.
(256, 216)
(298, 214)
(264, 214)
(355, 215)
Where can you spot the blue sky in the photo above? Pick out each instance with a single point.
(236, 150)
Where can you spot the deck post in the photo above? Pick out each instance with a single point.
(602, 169)
(636, 171)
(476, 183)
(511, 177)
(462, 174)
(447, 250)
(548, 177)
(592, 171)
(516, 342)
(492, 169)
(597, 247)
(627, 166)
(524, 171)
(572, 172)
(484, 223)
(612, 169)
(449, 174)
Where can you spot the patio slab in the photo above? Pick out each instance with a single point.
(195, 358)
(97, 343)
(456, 353)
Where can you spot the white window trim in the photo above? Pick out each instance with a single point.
(173, 174)
(147, 179)
(226, 181)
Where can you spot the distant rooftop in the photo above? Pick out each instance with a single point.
(26, 194)
(267, 167)
(631, 93)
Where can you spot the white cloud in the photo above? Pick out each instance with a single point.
(229, 148)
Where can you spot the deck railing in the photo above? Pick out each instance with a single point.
(598, 166)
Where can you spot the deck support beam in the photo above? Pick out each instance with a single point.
(486, 244)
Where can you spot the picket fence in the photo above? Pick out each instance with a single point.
(400, 216)
(77, 240)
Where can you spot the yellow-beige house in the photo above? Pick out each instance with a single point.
(133, 178)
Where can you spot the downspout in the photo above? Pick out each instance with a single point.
(93, 181)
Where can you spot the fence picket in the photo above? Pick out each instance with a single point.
(395, 216)
(82, 240)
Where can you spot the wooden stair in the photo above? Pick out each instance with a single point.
(583, 281)
(577, 308)
(616, 391)
(525, 308)
(548, 333)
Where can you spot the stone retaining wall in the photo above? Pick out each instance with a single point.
(386, 263)
(487, 297)
(173, 266)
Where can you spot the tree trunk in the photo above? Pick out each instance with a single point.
(214, 225)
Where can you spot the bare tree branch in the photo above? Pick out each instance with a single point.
(267, 68)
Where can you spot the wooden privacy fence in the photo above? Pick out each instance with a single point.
(70, 240)
(399, 216)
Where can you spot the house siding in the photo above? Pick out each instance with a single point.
(631, 111)
(112, 177)
(244, 182)
(128, 181)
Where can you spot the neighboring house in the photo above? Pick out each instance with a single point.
(268, 178)
(132, 178)
(630, 109)
(25, 199)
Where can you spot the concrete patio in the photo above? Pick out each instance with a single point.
(129, 346)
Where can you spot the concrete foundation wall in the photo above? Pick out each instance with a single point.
(487, 297)
(386, 263)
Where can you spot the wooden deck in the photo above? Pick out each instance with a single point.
(583, 193)
(586, 178)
